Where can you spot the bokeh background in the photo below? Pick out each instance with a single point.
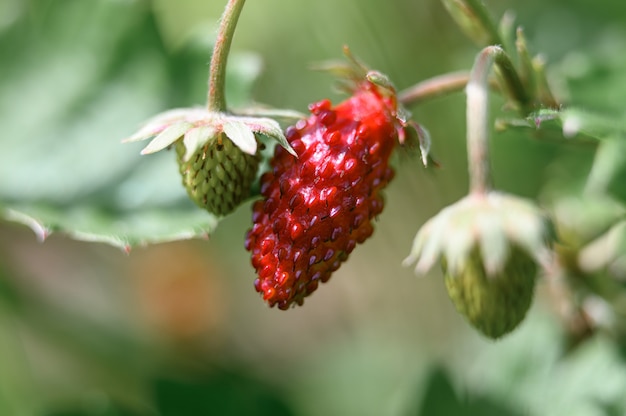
(177, 328)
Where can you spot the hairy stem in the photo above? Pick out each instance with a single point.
(477, 91)
(434, 87)
(216, 100)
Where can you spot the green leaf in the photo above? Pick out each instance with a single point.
(594, 76)
(219, 393)
(77, 77)
(568, 123)
(440, 398)
(532, 364)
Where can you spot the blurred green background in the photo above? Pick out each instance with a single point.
(177, 328)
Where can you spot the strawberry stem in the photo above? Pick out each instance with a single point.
(478, 111)
(477, 91)
(433, 87)
(216, 100)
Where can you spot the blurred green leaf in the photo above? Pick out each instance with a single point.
(76, 78)
(17, 384)
(441, 399)
(533, 370)
(592, 83)
(595, 77)
(221, 393)
(568, 123)
(94, 409)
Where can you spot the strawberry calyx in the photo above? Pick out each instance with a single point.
(355, 77)
(197, 126)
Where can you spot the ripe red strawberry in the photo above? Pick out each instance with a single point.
(316, 208)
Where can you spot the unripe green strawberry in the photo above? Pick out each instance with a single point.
(217, 152)
(493, 304)
(491, 246)
(218, 175)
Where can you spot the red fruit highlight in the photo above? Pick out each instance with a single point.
(316, 208)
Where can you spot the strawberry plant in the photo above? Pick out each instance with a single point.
(286, 196)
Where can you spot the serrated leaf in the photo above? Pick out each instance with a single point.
(119, 229)
(65, 105)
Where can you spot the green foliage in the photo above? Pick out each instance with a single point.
(220, 393)
(440, 398)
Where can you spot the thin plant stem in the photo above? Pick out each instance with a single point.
(216, 100)
(477, 91)
(434, 87)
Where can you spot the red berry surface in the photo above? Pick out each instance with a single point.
(318, 207)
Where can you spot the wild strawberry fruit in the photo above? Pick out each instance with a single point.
(317, 207)
(218, 175)
(493, 304)
(491, 247)
(217, 152)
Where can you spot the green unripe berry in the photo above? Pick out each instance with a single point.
(494, 304)
(219, 175)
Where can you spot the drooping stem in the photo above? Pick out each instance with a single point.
(455, 81)
(478, 111)
(216, 100)
(477, 91)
